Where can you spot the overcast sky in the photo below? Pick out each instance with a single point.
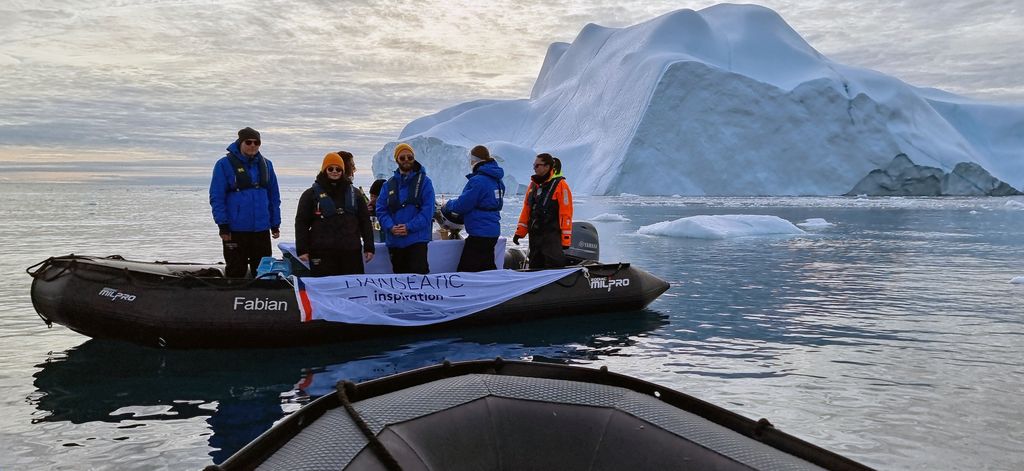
(100, 85)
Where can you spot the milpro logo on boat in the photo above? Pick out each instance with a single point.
(257, 304)
(608, 284)
(115, 295)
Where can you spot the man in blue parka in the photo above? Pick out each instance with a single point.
(246, 203)
(405, 211)
(479, 209)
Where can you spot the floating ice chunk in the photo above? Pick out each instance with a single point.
(609, 217)
(721, 226)
(1018, 280)
(1014, 204)
(815, 223)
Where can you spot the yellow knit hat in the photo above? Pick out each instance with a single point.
(403, 146)
(332, 159)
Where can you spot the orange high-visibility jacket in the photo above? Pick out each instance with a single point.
(560, 196)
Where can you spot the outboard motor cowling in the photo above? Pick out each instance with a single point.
(585, 248)
(516, 258)
(585, 244)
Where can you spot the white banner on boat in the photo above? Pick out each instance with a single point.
(411, 299)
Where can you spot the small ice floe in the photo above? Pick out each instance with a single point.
(815, 223)
(1014, 204)
(629, 195)
(609, 217)
(721, 226)
(1018, 280)
(972, 212)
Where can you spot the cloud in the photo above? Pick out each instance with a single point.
(155, 78)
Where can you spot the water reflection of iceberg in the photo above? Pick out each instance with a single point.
(242, 391)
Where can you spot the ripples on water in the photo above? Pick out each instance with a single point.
(892, 337)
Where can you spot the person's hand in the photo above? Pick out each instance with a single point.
(275, 233)
(515, 239)
(367, 256)
(304, 257)
(226, 237)
(399, 230)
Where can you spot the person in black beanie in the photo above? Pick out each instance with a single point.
(246, 203)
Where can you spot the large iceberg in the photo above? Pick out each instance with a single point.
(728, 100)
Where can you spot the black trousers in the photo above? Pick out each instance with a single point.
(546, 250)
(243, 252)
(478, 254)
(411, 259)
(336, 262)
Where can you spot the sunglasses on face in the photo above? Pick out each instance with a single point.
(335, 169)
(539, 165)
(406, 158)
(251, 142)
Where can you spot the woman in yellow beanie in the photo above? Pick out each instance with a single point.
(332, 223)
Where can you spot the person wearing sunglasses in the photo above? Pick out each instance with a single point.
(405, 211)
(547, 215)
(478, 207)
(246, 204)
(332, 223)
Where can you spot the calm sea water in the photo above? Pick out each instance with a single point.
(893, 337)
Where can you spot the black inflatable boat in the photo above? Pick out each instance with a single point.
(522, 415)
(182, 305)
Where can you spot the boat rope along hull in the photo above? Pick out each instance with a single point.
(167, 305)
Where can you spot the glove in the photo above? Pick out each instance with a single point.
(515, 240)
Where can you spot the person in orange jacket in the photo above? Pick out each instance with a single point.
(546, 215)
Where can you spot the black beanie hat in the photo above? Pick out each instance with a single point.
(248, 133)
(376, 186)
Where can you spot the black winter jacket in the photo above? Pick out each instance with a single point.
(315, 233)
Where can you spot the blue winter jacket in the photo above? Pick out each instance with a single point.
(480, 203)
(418, 220)
(249, 210)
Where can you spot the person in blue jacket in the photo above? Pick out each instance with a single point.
(405, 211)
(246, 203)
(479, 209)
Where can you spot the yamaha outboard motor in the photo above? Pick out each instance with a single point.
(585, 248)
(517, 257)
(585, 245)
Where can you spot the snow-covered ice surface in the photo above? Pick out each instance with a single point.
(728, 100)
(721, 226)
(814, 223)
(608, 217)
